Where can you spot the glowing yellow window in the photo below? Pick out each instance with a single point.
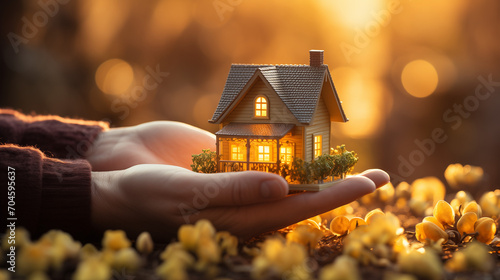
(237, 152)
(261, 107)
(318, 145)
(286, 154)
(263, 153)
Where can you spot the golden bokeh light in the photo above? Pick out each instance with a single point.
(362, 100)
(114, 76)
(419, 78)
(204, 108)
(170, 18)
(101, 21)
(353, 13)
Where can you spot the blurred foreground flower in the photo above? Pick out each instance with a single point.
(463, 177)
(279, 258)
(425, 193)
(475, 257)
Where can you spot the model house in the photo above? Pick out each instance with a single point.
(269, 114)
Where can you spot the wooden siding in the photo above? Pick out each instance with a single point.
(244, 111)
(320, 125)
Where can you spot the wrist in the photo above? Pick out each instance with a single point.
(102, 185)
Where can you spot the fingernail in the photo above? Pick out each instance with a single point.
(271, 189)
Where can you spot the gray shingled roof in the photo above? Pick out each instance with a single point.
(255, 130)
(299, 86)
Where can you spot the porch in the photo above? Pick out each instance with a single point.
(260, 147)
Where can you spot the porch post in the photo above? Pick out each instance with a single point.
(248, 153)
(278, 154)
(217, 152)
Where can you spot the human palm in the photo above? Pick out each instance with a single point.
(147, 186)
(160, 198)
(160, 142)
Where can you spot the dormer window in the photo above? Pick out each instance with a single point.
(261, 107)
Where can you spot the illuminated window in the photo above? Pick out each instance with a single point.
(261, 107)
(286, 154)
(263, 153)
(318, 145)
(237, 152)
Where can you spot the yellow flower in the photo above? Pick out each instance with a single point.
(426, 265)
(305, 235)
(227, 242)
(475, 257)
(144, 243)
(343, 268)
(126, 259)
(93, 269)
(115, 240)
(32, 258)
(278, 258)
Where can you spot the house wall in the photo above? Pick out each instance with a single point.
(320, 125)
(296, 136)
(244, 111)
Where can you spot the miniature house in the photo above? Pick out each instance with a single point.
(269, 114)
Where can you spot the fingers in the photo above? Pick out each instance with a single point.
(379, 177)
(239, 188)
(254, 219)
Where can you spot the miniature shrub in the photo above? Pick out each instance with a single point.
(322, 167)
(206, 162)
(301, 171)
(344, 161)
(284, 170)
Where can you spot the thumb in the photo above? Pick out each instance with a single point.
(240, 188)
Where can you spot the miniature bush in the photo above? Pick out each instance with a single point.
(206, 162)
(283, 170)
(344, 161)
(300, 171)
(322, 167)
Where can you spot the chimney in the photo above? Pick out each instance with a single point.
(316, 58)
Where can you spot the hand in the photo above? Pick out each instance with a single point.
(160, 142)
(160, 198)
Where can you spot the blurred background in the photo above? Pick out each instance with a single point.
(406, 71)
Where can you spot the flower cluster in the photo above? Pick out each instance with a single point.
(441, 239)
(200, 248)
(444, 225)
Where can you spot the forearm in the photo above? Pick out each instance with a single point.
(59, 137)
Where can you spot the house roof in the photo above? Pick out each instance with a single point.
(255, 130)
(298, 86)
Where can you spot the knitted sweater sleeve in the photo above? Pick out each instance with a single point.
(55, 136)
(44, 193)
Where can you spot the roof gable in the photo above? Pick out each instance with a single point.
(298, 86)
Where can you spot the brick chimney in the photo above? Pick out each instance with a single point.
(316, 58)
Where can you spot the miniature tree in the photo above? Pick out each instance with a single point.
(344, 161)
(283, 170)
(322, 167)
(206, 162)
(301, 171)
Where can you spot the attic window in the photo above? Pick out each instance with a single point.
(261, 107)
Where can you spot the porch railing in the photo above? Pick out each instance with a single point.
(232, 166)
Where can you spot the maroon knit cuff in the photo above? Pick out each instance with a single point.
(66, 197)
(55, 136)
(25, 165)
